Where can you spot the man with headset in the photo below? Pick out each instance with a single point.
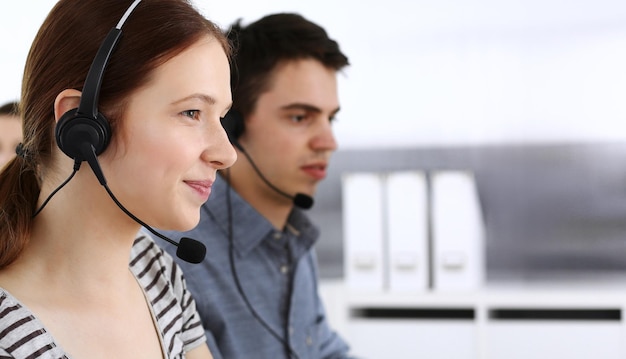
(257, 288)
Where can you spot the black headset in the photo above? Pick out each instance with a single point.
(85, 125)
(234, 126)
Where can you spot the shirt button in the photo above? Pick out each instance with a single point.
(309, 341)
(284, 269)
(278, 235)
(290, 330)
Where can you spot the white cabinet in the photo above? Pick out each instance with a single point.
(406, 338)
(415, 281)
(489, 323)
(539, 339)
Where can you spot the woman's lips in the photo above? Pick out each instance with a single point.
(202, 188)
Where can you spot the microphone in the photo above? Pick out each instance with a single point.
(300, 200)
(188, 249)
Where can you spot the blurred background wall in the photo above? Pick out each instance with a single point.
(439, 72)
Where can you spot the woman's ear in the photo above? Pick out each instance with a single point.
(66, 100)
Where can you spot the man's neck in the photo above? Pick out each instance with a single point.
(272, 206)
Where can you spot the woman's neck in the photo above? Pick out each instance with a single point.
(78, 242)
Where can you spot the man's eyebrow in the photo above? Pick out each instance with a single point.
(307, 107)
(202, 97)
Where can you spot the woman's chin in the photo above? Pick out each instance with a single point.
(188, 224)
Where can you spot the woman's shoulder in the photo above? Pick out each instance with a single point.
(155, 269)
(147, 258)
(165, 290)
(21, 334)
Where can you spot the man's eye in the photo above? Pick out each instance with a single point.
(297, 118)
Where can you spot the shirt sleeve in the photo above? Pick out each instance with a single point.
(5, 355)
(193, 332)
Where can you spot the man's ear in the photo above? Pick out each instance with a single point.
(66, 100)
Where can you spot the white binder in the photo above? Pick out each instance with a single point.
(458, 232)
(407, 231)
(363, 231)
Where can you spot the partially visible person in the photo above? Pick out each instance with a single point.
(136, 138)
(10, 131)
(257, 290)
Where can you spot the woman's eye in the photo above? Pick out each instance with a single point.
(191, 113)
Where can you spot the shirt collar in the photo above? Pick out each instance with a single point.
(250, 228)
(300, 226)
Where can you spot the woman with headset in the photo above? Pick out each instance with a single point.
(121, 105)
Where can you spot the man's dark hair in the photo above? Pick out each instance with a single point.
(270, 41)
(10, 108)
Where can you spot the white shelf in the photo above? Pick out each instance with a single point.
(526, 297)
(491, 330)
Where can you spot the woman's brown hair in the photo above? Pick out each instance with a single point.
(59, 59)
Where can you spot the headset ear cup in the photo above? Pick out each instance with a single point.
(233, 125)
(73, 130)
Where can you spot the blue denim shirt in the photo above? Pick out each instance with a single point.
(267, 260)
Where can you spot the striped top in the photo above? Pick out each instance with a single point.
(23, 336)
